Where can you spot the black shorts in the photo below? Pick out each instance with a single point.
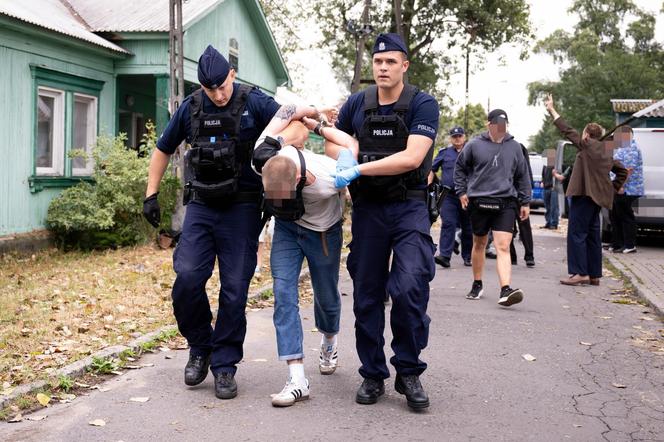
(481, 221)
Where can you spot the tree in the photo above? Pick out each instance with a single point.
(432, 31)
(612, 53)
(476, 122)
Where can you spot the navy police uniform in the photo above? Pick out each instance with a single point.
(451, 213)
(223, 215)
(390, 216)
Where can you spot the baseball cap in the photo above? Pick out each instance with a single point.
(497, 116)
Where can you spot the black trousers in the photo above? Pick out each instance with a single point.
(623, 222)
(526, 236)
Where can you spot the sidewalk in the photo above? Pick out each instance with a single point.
(645, 269)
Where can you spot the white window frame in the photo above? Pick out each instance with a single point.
(91, 136)
(58, 152)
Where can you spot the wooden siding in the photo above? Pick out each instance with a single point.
(21, 210)
(231, 20)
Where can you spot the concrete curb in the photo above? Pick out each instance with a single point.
(78, 368)
(642, 291)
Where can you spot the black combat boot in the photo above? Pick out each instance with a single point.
(196, 369)
(410, 386)
(370, 391)
(225, 386)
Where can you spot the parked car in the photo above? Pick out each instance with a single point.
(537, 162)
(649, 209)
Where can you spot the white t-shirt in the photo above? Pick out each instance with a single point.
(322, 201)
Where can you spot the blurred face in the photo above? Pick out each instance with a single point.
(550, 157)
(623, 138)
(222, 95)
(388, 68)
(497, 131)
(458, 141)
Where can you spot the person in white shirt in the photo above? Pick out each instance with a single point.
(316, 235)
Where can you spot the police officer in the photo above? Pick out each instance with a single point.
(220, 122)
(395, 125)
(452, 214)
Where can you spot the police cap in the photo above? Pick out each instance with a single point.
(213, 68)
(389, 42)
(457, 130)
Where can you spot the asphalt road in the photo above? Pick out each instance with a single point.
(480, 385)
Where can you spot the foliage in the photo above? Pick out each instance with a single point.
(102, 365)
(108, 213)
(476, 122)
(612, 53)
(432, 30)
(65, 383)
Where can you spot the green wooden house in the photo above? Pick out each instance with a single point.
(74, 69)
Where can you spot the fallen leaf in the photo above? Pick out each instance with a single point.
(605, 317)
(147, 365)
(36, 418)
(646, 318)
(117, 373)
(81, 384)
(139, 399)
(259, 360)
(132, 367)
(97, 423)
(168, 357)
(588, 344)
(17, 418)
(314, 330)
(617, 385)
(565, 306)
(164, 349)
(528, 357)
(577, 426)
(43, 399)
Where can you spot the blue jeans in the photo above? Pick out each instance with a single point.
(551, 206)
(290, 245)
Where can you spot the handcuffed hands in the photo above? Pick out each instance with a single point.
(345, 160)
(346, 176)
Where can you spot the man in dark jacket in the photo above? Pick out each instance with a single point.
(491, 179)
(589, 189)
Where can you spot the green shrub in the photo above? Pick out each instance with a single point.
(108, 213)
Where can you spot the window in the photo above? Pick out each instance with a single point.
(85, 132)
(66, 118)
(50, 132)
(234, 54)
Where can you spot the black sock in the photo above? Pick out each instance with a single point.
(505, 288)
(477, 281)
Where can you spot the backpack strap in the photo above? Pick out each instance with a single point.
(371, 99)
(240, 99)
(303, 174)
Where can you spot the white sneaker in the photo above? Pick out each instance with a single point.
(327, 359)
(290, 394)
(629, 250)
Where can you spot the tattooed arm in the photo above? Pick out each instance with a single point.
(285, 115)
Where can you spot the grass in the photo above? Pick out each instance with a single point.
(102, 365)
(65, 383)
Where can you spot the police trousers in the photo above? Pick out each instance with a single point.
(230, 235)
(400, 229)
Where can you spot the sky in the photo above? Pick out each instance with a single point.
(501, 85)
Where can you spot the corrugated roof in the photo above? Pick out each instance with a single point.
(630, 106)
(656, 110)
(55, 16)
(136, 15)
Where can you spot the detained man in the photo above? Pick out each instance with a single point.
(300, 193)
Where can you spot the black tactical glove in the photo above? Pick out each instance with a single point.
(151, 210)
(264, 151)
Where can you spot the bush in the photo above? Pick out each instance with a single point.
(108, 213)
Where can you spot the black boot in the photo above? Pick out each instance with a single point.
(410, 386)
(370, 391)
(196, 369)
(225, 386)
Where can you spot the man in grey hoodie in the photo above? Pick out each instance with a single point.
(492, 181)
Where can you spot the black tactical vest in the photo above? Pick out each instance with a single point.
(214, 163)
(384, 135)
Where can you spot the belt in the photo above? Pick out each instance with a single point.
(416, 194)
(239, 197)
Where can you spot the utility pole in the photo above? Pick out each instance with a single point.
(398, 19)
(176, 96)
(465, 109)
(360, 36)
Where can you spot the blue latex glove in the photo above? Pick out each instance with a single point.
(344, 178)
(345, 160)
